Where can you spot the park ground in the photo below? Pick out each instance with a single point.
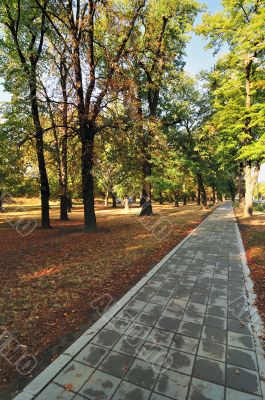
(52, 281)
(253, 234)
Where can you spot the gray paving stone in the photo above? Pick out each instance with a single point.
(160, 336)
(190, 329)
(147, 319)
(192, 316)
(136, 304)
(118, 325)
(99, 386)
(143, 373)
(128, 345)
(217, 311)
(209, 370)
(196, 307)
(242, 358)
(172, 384)
(116, 364)
(185, 343)
(173, 313)
(128, 391)
(196, 298)
(237, 340)
(215, 322)
(215, 351)
(92, 355)
(232, 394)
(169, 324)
(153, 353)
(55, 392)
(179, 361)
(177, 303)
(202, 390)
(106, 338)
(243, 379)
(128, 314)
(156, 396)
(214, 334)
(74, 375)
(138, 330)
(239, 326)
(152, 308)
(159, 300)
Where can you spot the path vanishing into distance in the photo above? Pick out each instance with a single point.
(187, 330)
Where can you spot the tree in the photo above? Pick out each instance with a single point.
(158, 49)
(241, 25)
(21, 51)
(86, 25)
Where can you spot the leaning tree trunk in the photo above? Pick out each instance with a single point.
(146, 199)
(88, 135)
(184, 200)
(250, 181)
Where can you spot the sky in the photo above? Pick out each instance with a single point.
(197, 59)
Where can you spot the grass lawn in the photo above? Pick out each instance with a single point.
(48, 279)
(253, 235)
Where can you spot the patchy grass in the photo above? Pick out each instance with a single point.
(49, 278)
(253, 235)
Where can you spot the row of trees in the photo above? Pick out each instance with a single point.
(100, 102)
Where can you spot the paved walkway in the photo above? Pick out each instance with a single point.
(183, 333)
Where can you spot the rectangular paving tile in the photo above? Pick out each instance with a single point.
(203, 390)
(209, 370)
(143, 373)
(172, 384)
(243, 379)
(99, 386)
(74, 375)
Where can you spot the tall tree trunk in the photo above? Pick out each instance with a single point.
(107, 197)
(184, 199)
(250, 180)
(214, 195)
(203, 192)
(176, 198)
(1, 202)
(199, 195)
(44, 183)
(64, 166)
(113, 197)
(161, 198)
(88, 135)
(146, 199)
(241, 186)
